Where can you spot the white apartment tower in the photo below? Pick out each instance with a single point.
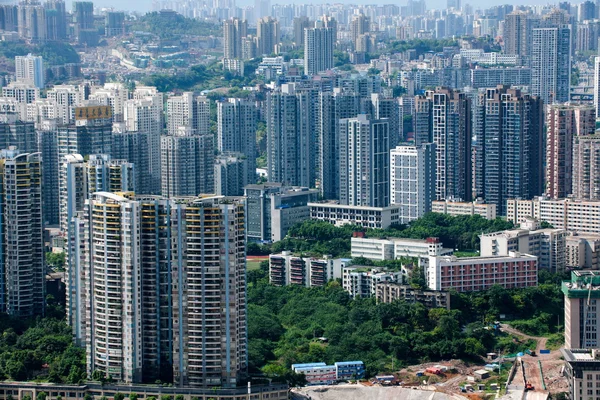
(30, 69)
(412, 180)
(364, 162)
(189, 111)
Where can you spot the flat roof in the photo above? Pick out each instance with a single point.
(579, 355)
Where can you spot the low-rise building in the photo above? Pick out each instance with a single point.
(317, 373)
(548, 245)
(320, 373)
(365, 216)
(455, 208)
(582, 369)
(288, 269)
(273, 209)
(388, 292)
(581, 216)
(469, 274)
(361, 281)
(582, 251)
(396, 248)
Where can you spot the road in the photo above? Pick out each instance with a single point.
(541, 341)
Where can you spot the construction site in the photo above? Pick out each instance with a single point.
(532, 375)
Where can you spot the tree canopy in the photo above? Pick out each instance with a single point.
(170, 25)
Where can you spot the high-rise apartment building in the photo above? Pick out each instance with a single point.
(83, 19)
(30, 69)
(56, 20)
(445, 120)
(566, 125)
(111, 94)
(267, 35)
(130, 146)
(510, 142)
(412, 180)
(318, 46)
(291, 136)
(90, 134)
(187, 163)
(188, 111)
(300, 25)
(152, 326)
(551, 63)
(597, 85)
(22, 261)
(586, 167)
(18, 133)
(47, 141)
(365, 162)
(517, 33)
(359, 25)
(233, 31)
(332, 107)
(582, 299)
(114, 23)
(236, 132)
(230, 174)
(31, 21)
(66, 97)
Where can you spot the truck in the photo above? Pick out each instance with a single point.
(530, 352)
(528, 386)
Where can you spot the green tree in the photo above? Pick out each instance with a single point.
(133, 396)
(119, 396)
(41, 396)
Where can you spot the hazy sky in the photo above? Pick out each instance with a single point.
(146, 5)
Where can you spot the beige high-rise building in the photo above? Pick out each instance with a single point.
(267, 35)
(566, 125)
(175, 274)
(582, 300)
(22, 261)
(586, 167)
(233, 31)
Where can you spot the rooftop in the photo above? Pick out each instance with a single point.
(580, 355)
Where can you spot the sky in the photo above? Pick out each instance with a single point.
(146, 5)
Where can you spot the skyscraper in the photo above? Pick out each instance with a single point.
(267, 35)
(359, 25)
(300, 24)
(114, 23)
(517, 33)
(412, 181)
(189, 111)
(566, 124)
(83, 19)
(365, 162)
(597, 85)
(318, 46)
(32, 21)
(551, 63)
(445, 119)
(153, 326)
(56, 20)
(233, 31)
(22, 261)
(333, 106)
(90, 134)
(187, 163)
(144, 115)
(291, 136)
(30, 69)
(510, 143)
(236, 132)
(586, 167)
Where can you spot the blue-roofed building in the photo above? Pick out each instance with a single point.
(317, 373)
(350, 370)
(307, 365)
